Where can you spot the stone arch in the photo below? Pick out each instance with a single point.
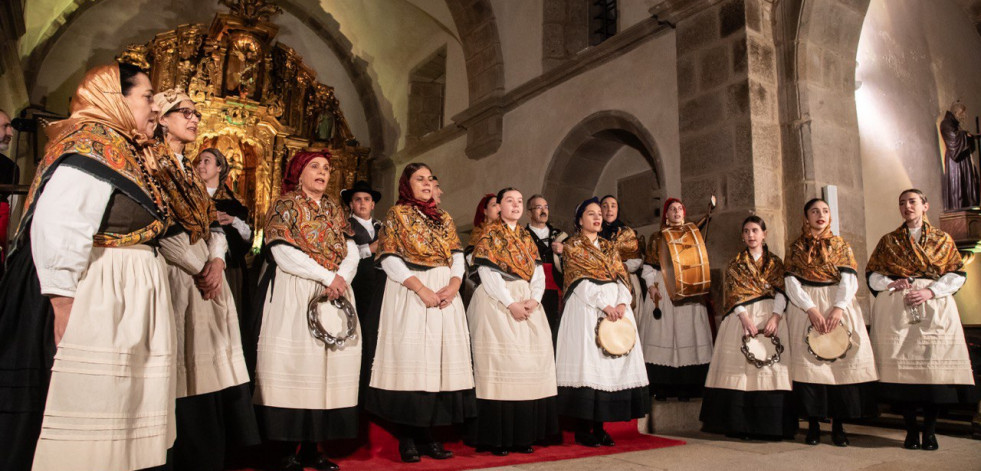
(819, 43)
(578, 161)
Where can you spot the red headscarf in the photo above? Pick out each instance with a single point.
(299, 161)
(406, 197)
(667, 204)
(479, 217)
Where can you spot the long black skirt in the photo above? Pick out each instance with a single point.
(764, 414)
(604, 406)
(550, 303)
(26, 354)
(307, 425)
(920, 394)
(209, 424)
(842, 401)
(684, 381)
(421, 408)
(514, 423)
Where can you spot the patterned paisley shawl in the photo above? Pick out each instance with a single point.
(898, 256)
(417, 239)
(820, 258)
(581, 261)
(749, 280)
(102, 151)
(190, 204)
(319, 230)
(510, 251)
(629, 245)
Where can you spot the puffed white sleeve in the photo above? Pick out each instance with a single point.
(649, 274)
(293, 261)
(364, 251)
(217, 245)
(538, 284)
(947, 284)
(879, 282)
(349, 266)
(796, 293)
(739, 310)
(396, 269)
(494, 285)
(633, 265)
(176, 250)
(66, 217)
(779, 304)
(591, 294)
(458, 268)
(623, 294)
(847, 288)
(242, 228)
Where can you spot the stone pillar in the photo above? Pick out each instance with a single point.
(728, 119)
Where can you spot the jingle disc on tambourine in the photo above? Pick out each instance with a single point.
(761, 350)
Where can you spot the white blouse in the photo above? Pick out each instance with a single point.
(293, 261)
(946, 285)
(67, 216)
(238, 224)
(497, 289)
(847, 288)
(398, 271)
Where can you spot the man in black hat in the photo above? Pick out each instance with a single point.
(361, 198)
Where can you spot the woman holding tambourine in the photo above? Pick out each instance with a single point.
(597, 385)
(917, 335)
(747, 392)
(305, 390)
(832, 366)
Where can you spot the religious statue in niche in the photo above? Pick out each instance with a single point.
(962, 188)
(242, 73)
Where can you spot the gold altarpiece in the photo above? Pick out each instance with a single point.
(260, 103)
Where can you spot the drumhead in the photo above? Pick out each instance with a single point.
(616, 338)
(830, 346)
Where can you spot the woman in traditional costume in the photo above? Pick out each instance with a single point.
(232, 214)
(821, 284)
(743, 399)
(422, 375)
(488, 210)
(84, 279)
(595, 387)
(629, 245)
(917, 335)
(677, 337)
(307, 392)
(214, 405)
(514, 364)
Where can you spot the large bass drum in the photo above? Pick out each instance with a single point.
(684, 262)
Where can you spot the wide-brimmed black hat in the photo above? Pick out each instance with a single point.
(360, 186)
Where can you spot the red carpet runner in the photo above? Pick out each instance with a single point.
(381, 452)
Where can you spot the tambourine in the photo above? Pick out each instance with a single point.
(317, 329)
(830, 346)
(761, 352)
(615, 339)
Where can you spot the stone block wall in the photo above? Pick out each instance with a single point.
(728, 121)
